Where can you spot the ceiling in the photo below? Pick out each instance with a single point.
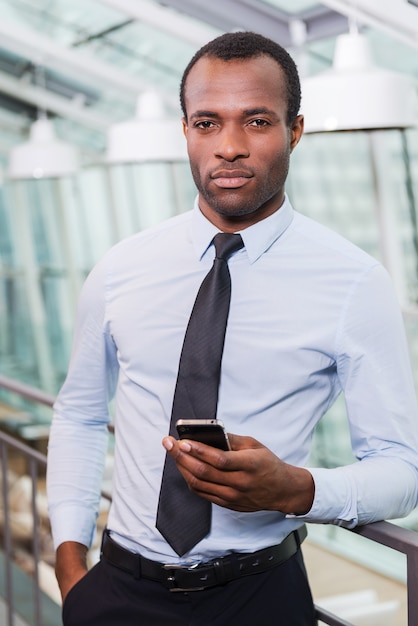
(84, 62)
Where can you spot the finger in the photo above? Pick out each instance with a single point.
(195, 459)
(208, 455)
(223, 495)
(245, 459)
(213, 482)
(184, 449)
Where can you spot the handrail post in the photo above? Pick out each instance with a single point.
(7, 535)
(35, 542)
(412, 587)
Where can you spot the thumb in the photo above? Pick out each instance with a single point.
(240, 442)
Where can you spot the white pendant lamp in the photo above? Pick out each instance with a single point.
(43, 156)
(355, 94)
(150, 136)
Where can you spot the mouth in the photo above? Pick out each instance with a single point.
(231, 179)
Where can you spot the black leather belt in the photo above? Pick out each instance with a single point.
(198, 577)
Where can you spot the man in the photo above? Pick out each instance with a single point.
(311, 316)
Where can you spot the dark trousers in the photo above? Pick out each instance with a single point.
(107, 596)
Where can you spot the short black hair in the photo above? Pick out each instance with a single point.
(247, 45)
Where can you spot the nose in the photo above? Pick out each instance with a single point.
(232, 144)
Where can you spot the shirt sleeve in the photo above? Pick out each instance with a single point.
(79, 431)
(375, 375)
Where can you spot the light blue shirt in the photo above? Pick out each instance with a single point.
(311, 316)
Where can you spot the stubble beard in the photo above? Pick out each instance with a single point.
(230, 203)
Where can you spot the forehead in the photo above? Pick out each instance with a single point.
(242, 83)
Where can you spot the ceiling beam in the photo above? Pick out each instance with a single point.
(396, 18)
(321, 23)
(46, 52)
(47, 101)
(230, 15)
(267, 20)
(168, 21)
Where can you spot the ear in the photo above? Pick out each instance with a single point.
(296, 131)
(185, 126)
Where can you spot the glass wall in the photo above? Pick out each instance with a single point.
(51, 233)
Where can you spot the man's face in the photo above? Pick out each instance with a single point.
(237, 138)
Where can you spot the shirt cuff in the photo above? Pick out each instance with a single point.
(335, 500)
(73, 524)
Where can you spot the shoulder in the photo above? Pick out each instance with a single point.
(169, 230)
(141, 252)
(154, 241)
(319, 240)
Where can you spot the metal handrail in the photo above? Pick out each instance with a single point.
(27, 391)
(385, 533)
(402, 540)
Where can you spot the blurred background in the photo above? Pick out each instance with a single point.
(91, 151)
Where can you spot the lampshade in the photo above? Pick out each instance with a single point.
(43, 156)
(356, 95)
(150, 136)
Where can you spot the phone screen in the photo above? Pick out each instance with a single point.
(209, 432)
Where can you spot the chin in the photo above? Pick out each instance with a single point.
(233, 208)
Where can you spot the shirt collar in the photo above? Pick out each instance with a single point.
(257, 238)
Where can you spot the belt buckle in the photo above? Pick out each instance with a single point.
(171, 569)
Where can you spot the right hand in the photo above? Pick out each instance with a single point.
(70, 565)
(248, 478)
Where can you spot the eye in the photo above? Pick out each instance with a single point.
(204, 124)
(259, 123)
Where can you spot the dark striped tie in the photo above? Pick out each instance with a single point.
(184, 518)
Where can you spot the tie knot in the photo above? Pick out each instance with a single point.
(226, 244)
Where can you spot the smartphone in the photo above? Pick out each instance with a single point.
(210, 432)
